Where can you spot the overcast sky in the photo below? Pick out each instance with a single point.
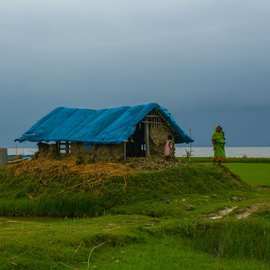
(207, 61)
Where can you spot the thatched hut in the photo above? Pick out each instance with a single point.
(106, 134)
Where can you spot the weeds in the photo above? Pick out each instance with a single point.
(164, 236)
(72, 196)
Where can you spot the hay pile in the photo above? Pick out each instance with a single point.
(45, 167)
(59, 169)
(151, 163)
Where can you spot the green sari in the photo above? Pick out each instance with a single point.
(219, 150)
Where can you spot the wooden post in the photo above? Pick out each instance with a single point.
(67, 147)
(58, 146)
(147, 142)
(125, 151)
(190, 146)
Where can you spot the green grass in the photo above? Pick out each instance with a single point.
(229, 160)
(74, 198)
(167, 253)
(48, 244)
(133, 242)
(252, 173)
(144, 222)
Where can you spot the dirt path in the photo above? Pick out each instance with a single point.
(241, 214)
(245, 213)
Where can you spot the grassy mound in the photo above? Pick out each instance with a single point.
(31, 193)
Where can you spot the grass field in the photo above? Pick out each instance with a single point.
(117, 242)
(253, 173)
(196, 216)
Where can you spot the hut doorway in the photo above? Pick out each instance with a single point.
(136, 144)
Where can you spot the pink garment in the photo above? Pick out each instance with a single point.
(168, 148)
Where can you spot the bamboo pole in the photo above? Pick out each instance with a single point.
(190, 147)
(147, 141)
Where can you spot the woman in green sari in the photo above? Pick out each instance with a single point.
(218, 141)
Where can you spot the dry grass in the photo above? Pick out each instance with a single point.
(44, 167)
(47, 167)
(93, 176)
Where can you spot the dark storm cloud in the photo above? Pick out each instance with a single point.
(206, 61)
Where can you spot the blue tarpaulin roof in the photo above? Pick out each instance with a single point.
(105, 126)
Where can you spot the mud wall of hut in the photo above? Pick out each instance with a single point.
(46, 150)
(82, 153)
(97, 153)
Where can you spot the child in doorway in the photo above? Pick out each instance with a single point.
(168, 147)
